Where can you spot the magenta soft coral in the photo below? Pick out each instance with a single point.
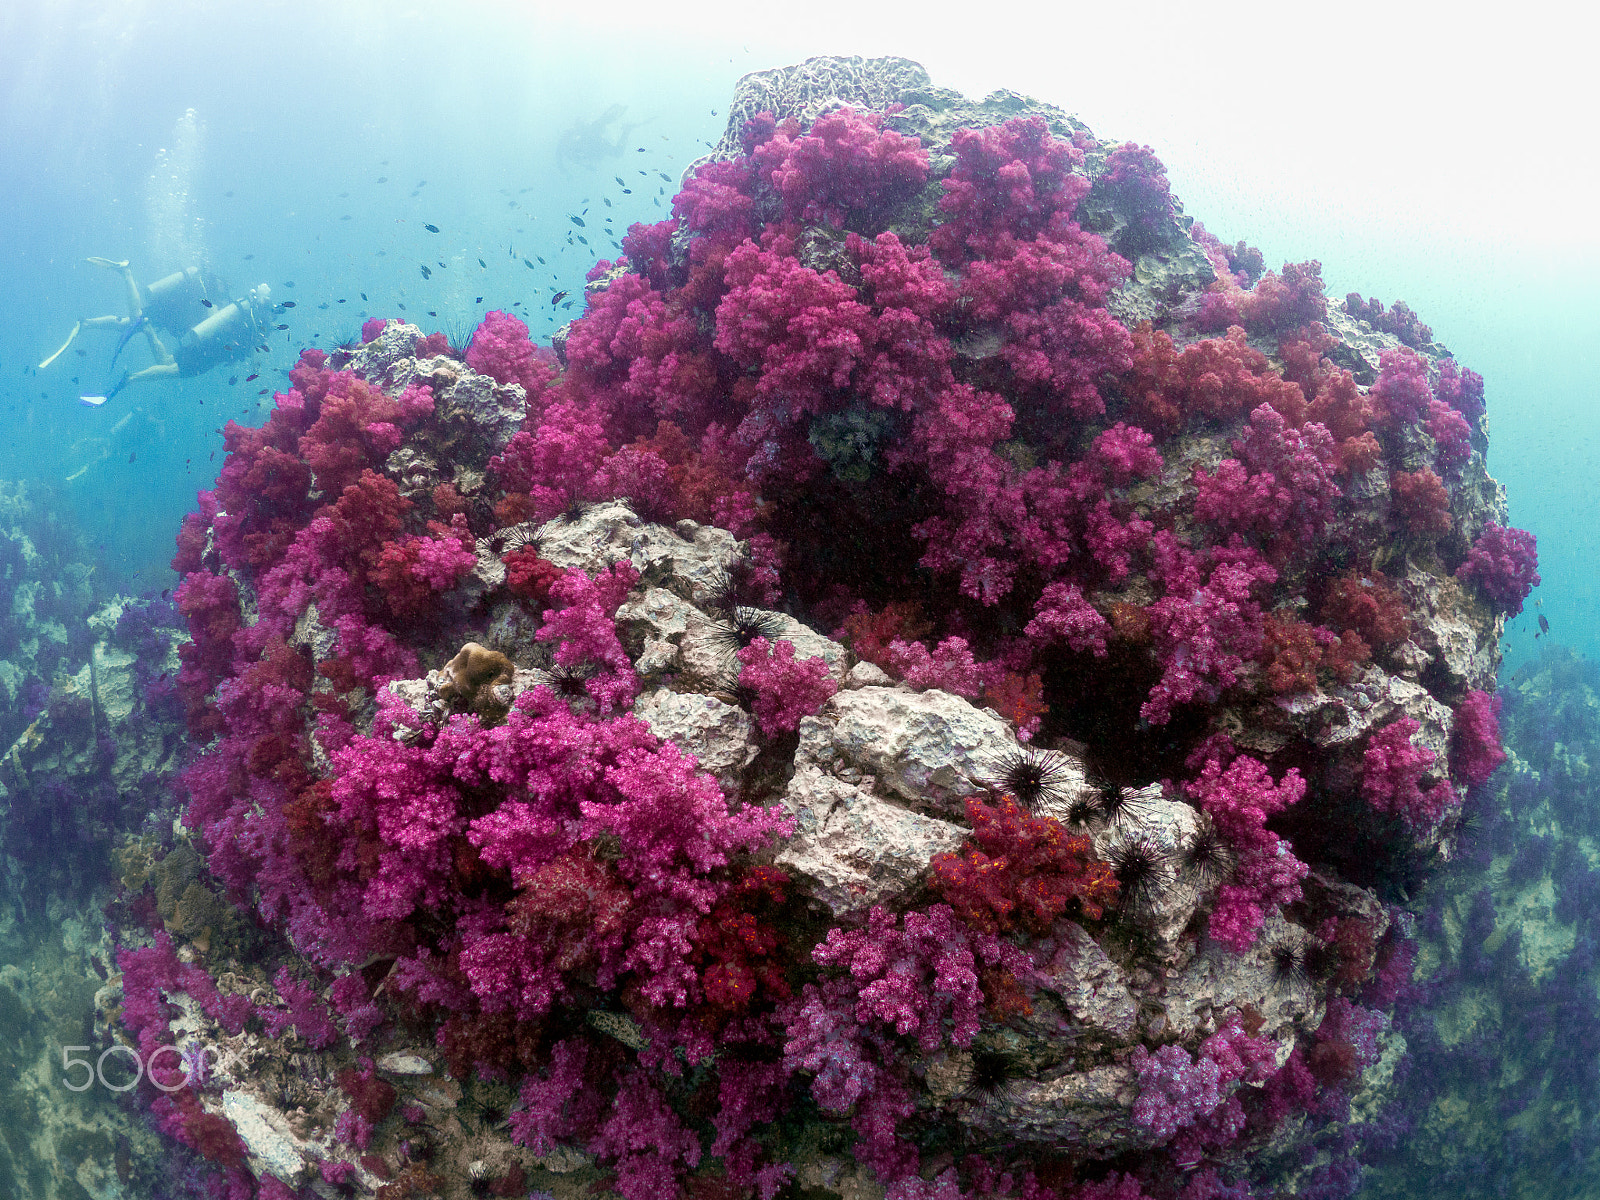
(786, 689)
(502, 350)
(1239, 796)
(845, 164)
(1505, 564)
(1392, 771)
(1475, 749)
(1177, 1089)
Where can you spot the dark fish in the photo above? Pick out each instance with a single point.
(288, 283)
(442, 267)
(607, 199)
(540, 259)
(422, 183)
(568, 304)
(232, 379)
(1544, 626)
(283, 327)
(341, 300)
(363, 295)
(248, 257)
(639, 150)
(483, 264)
(288, 304)
(346, 217)
(665, 178)
(426, 274)
(479, 300)
(252, 378)
(618, 178)
(401, 307)
(557, 298)
(130, 457)
(229, 195)
(583, 239)
(344, 195)
(528, 264)
(627, 191)
(165, 592)
(262, 392)
(206, 302)
(431, 313)
(323, 307)
(383, 179)
(578, 221)
(431, 228)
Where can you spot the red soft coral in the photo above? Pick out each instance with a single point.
(1021, 871)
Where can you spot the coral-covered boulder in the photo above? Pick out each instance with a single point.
(949, 656)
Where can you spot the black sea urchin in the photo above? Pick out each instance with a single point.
(1142, 872)
(1031, 776)
(1208, 857)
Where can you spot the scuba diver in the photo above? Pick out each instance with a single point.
(230, 330)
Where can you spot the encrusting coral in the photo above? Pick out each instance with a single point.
(1145, 665)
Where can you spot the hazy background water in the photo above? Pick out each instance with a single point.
(1446, 164)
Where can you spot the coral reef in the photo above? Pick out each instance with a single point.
(937, 688)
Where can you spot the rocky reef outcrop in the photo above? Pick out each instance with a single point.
(938, 686)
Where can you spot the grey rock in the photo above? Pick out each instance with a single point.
(273, 1149)
(852, 849)
(719, 735)
(1083, 980)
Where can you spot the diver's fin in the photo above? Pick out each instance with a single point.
(76, 325)
(137, 324)
(97, 401)
(114, 264)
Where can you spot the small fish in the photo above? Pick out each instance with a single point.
(431, 228)
(1544, 627)
(232, 379)
(248, 257)
(583, 239)
(426, 274)
(130, 456)
(665, 178)
(578, 221)
(422, 183)
(541, 261)
(288, 283)
(346, 217)
(363, 295)
(344, 195)
(401, 307)
(639, 150)
(479, 300)
(383, 179)
(262, 392)
(283, 327)
(607, 199)
(627, 191)
(252, 378)
(323, 307)
(165, 592)
(341, 300)
(288, 304)
(557, 299)
(619, 180)
(206, 302)
(528, 264)
(431, 313)
(483, 264)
